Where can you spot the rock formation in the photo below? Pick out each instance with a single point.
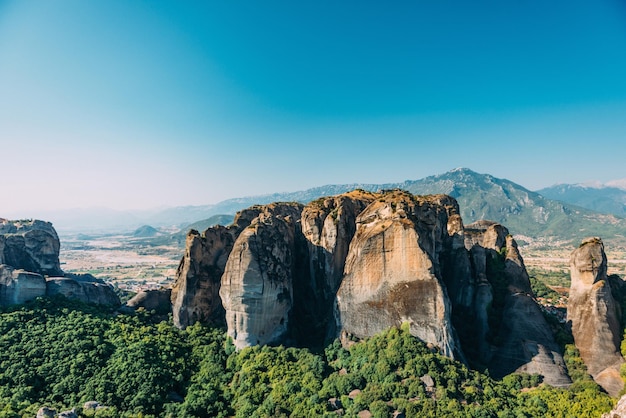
(392, 272)
(502, 292)
(31, 245)
(328, 225)
(85, 291)
(257, 284)
(595, 315)
(157, 300)
(29, 250)
(195, 294)
(358, 263)
(19, 286)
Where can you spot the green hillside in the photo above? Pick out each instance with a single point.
(61, 354)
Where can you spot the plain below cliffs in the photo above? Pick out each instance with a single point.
(354, 264)
(595, 314)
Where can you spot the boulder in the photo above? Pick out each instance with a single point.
(85, 291)
(595, 315)
(157, 300)
(19, 286)
(45, 412)
(257, 284)
(68, 414)
(392, 271)
(31, 245)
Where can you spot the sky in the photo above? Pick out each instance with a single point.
(141, 104)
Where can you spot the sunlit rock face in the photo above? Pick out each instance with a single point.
(31, 245)
(355, 264)
(257, 284)
(392, 272)
(594, 315)
(195, 295)
(18, 286)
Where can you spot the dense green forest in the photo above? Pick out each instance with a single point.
(60, 354)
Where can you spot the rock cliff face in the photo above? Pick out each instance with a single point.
(358, 263)
(392, 272)
(19, 286)
(328, 225)
(31, 245)
(257, 284)
(503, 328)
(85, 291)
(29, 250)
(595, 315)
(195, 294)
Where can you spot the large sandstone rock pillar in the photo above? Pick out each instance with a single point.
(257, 284)
(595, 315)
(195, 294)
(392, 272)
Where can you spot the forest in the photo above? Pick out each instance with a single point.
(60, 354)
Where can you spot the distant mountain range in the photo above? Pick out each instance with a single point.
(604, 198)
(563, 213)
(480, 196)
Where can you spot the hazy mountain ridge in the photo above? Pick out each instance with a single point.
(480, 196)
(605, 199)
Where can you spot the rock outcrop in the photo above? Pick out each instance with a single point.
(195, 294)
(19, 286)
(328, 225)
(157, 300)
(30, 267)
(507, 345)
(30, 245)
(595, 315)
(358, 263)
(257, 284)
(85, 291)
(392, 273)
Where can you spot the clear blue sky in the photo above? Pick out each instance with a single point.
(135, 104)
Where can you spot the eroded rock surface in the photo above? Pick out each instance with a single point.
(513, 335)
(257, 284)
(195, 294)
(31, 245)
(18, 286)
(595, 315)
(85, 291)
(392, 272)
(328, 224)
(157, 300)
